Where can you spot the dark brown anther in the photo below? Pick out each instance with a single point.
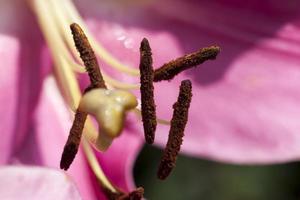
(89, 59)
(136, 194)
(169, 70)
(178, 123)
(88, 56)
(71, 147)
(147, 92)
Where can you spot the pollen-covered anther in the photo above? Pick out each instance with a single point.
(137, 194)
(147, 92)
(88, 56)
(169, 70)
(89, 59)
(178, 123)
(109, 108)
(72, 145)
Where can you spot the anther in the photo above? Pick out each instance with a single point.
(71, 147)
(147, 92)
(169, 70)
(89, 59)
(136, 194)
(178, 123)
(88, 56)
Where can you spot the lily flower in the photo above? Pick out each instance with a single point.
(244, 108)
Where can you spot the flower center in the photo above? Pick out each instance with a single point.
(107, 105)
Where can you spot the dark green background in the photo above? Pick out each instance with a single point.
(206, 180)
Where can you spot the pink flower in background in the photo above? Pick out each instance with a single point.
(245, 104)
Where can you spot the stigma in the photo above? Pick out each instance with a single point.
(109, 108)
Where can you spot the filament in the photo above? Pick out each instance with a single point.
(68, 81)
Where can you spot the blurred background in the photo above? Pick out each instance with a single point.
(197, 179)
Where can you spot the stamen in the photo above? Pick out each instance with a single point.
(147, 92)
(71, 147)
(89, 59)
(64, 73)
(169, 70)
(88, 56)
(67, 79)
(178, 123)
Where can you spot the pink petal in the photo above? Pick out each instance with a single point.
(7, 98)
(35, 183)
(23, 65)
(248, 113)
(245, 105)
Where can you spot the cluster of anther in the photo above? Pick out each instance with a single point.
(181, 107)
(148, 76)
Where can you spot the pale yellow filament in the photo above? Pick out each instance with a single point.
(63, 24)
(70, 86)
(159, 120)
(112, 83)
(55, 44)
(96, 167)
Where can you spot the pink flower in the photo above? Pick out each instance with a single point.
(244, 108)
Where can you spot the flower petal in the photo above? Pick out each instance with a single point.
(245, 104)
(23, 65)
(48, 134)
(34, 183)
(247, 111)
(8, 101)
